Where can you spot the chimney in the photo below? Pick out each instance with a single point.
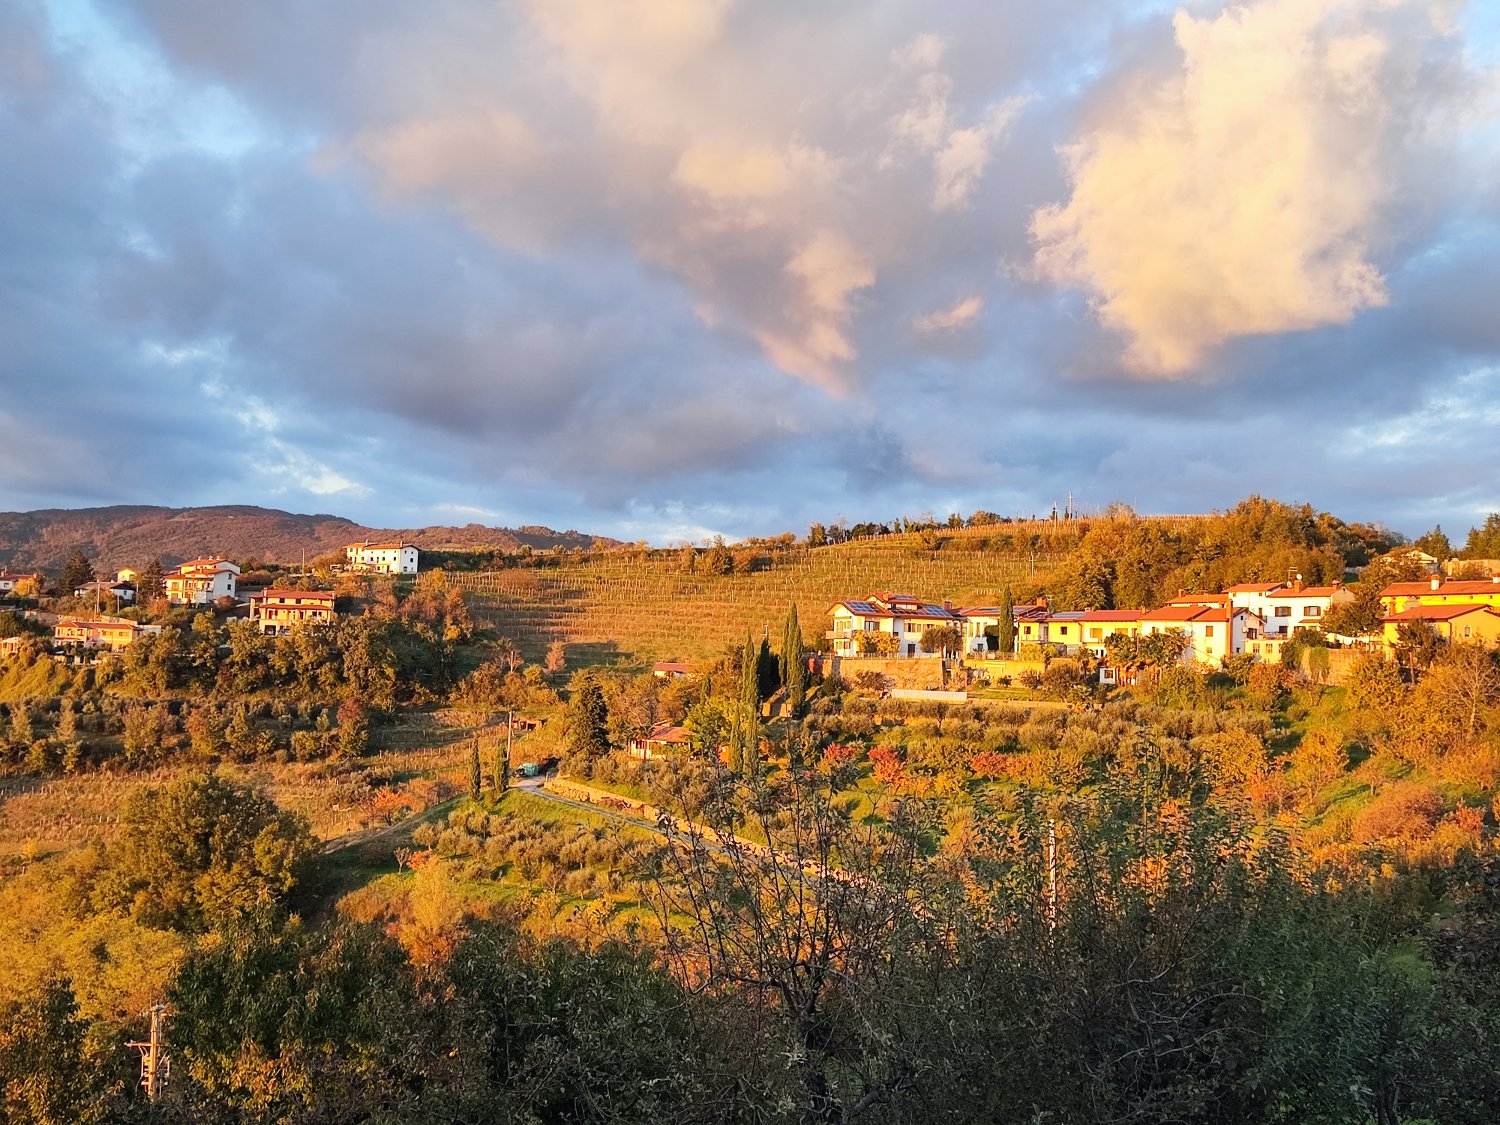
(1337, 582)
(1436, 581)
(1042, 601)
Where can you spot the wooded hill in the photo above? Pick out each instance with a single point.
(131, 535)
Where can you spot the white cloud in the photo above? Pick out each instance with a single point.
(1246, 191)
(960, 314)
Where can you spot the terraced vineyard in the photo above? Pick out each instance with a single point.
(632, 605)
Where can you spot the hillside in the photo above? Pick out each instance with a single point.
(130, 535)
(635, 604)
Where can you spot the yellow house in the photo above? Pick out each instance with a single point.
(1475, 624)
(1098, 625)
(115, 635)
(1399, 596)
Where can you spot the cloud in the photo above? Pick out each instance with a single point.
(1248, 190)
(960, 314)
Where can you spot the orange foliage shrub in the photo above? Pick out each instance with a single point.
(1405, 811)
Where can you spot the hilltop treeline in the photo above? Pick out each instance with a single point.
(1127, 562)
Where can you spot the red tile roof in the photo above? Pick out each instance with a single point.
(1292, 594)
(1115, 615)
(305, 595)
(1439, 612)
(1255, 587)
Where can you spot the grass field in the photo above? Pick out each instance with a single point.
(636, 607)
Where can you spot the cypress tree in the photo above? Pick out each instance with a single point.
(1006, 630)
(588, 719)
(501, 769)
(476, 779)
(747, 725)
(767, 675)
(794, 665)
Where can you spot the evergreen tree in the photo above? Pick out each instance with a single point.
(151, 584)
(476, 778)
(767, 675)
(794, 665)
(1006, 631)
(501, 766)
(1484, 541)
(78, 572)
(588, 719)
(747, 714)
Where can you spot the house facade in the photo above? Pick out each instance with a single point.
(1098, 625)
(9, 582)
(277, 612)
(1297, 607)
(858, 624)
(201, 582)
(1209, 632)
(665, 740)
(111, 634)
(1400, 596)
(1461, 623)
(383, 558)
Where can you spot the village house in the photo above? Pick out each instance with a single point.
(113, 634)
(1400, 596)
(1297, 607)
(981, 623)
(671, 670)
(9, 582)
(277, 612)
(1098, 625)
(665, 740)
(899, 616)
(1477, 624)
(107, 592)
(1256, 597)
(1209, 632)
(1065, 630)
(383, 558)
(201, 581)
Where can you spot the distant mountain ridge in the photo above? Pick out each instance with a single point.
(132, 535)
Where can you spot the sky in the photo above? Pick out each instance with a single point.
(664, 269)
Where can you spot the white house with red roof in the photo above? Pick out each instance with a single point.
(1297, 607)
(900, 616)
(1209, 632)
(383, 558)
(201, 581)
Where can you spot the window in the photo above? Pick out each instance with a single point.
(1093, 634)
(1062, 630)
(1312, 611)
(1283, 611)
(1208, 630)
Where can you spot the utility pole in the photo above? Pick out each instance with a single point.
(155, 1066)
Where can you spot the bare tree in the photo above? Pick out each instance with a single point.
(810, 928)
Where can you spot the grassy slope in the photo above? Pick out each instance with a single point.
(625, 605)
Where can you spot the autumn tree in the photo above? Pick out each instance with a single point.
(942, 639)
(557, 657)
(202, 851)
(51, 1073)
